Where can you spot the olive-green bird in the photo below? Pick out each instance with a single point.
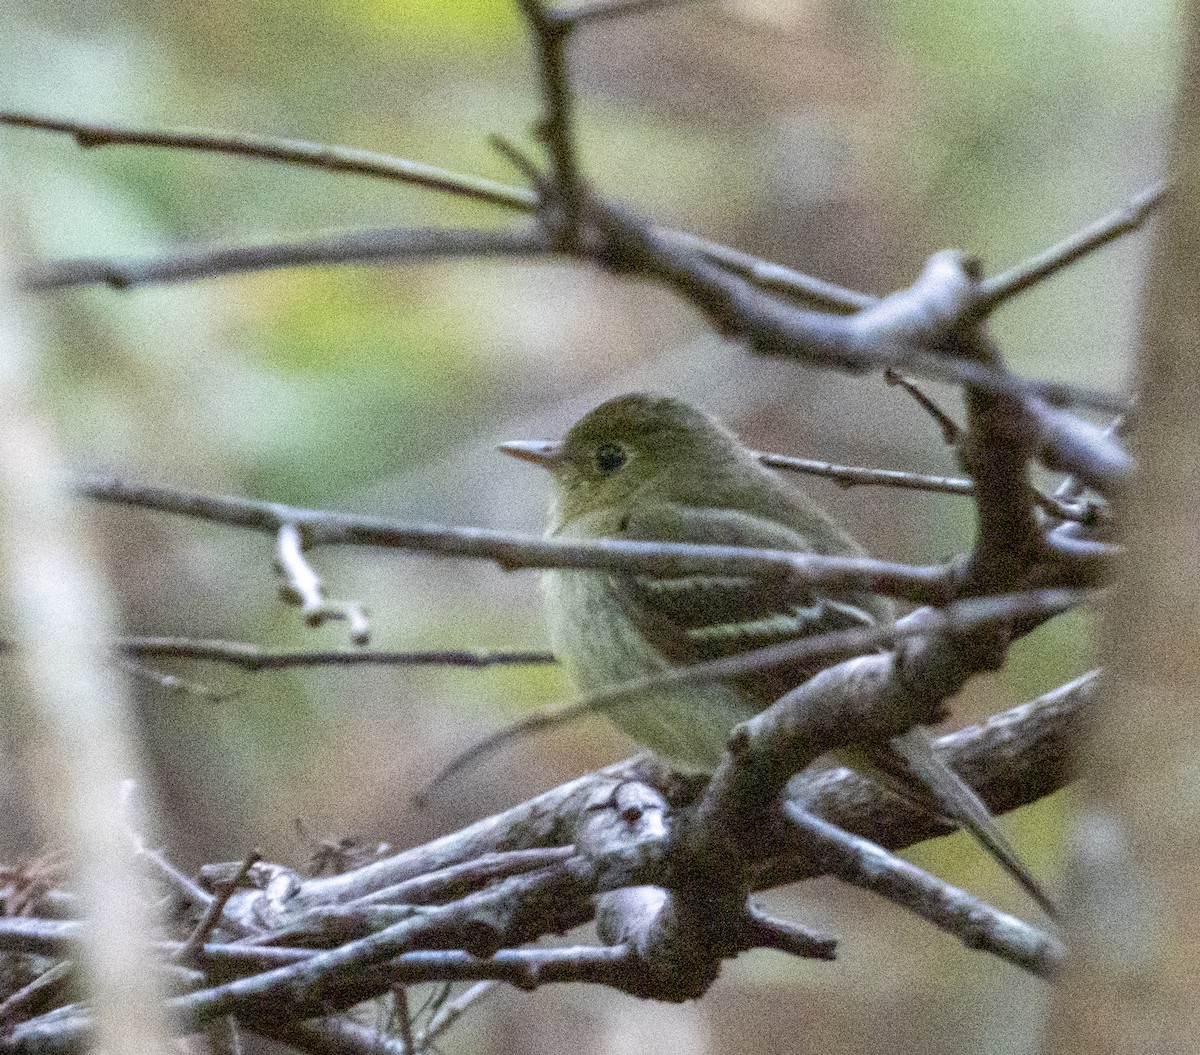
(653, 468)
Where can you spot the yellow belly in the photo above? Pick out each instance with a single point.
(599, 647)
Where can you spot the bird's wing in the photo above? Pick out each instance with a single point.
(693, 618)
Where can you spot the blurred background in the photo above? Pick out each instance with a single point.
(845, 138)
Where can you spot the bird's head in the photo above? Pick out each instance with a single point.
(634, 445)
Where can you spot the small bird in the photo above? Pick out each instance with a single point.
(654, 468)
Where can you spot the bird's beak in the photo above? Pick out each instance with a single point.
(546, 453)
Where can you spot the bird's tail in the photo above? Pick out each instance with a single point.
(952, 796)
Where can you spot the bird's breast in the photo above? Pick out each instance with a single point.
(593, 638)
(600, 647)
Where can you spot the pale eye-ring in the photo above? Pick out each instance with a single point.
(610, 457)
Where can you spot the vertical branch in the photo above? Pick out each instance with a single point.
(1133, 982)
(551, 31)
(996, 456)
(66, 716)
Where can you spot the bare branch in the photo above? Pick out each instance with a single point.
(858, 476)
(339, 1036)
(815, 649)
(451, 1012)
(525, 968)
(507, 909)
(772, 933)
(950, 429)
(402, 1017)
(46, 987)
(1071, 445)
(1072, 488)
(511, 912)
(184, 887)
(979, 926)
(1130, 217)
(551, 32)
(512, 551)
(254, 658)
(456, 881)
(774, 277)
(361, 915)
(768, 276)
(60, 937)
(901, 330)
(1012, 759)
(601, 10)
(91, 134)
(382, 245)
(214, 910)
(302, 586)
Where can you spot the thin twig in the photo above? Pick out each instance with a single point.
(380, 245)
(767, 932)
(863, 477)
(254, 658)
(90, 134)
(403, 1019)
(184, 886)
(859, 476)
(999, 741)
(614, 966)
(452, 1011)
(302, 586)
(551, 32)
(951, 430)
(333, 1036)
(907, 329)
(819, 648)
(514, 551)
(60, 937)
(996, 290)
(776, 278)
(458, 880)
(978, 925)
(212, 913)
(773, 277)
(600, 10)
(1071, 489)
(769, 276)
(46, 986)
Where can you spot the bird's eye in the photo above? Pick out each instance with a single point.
(610, 457)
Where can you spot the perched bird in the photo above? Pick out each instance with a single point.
(654, 468)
